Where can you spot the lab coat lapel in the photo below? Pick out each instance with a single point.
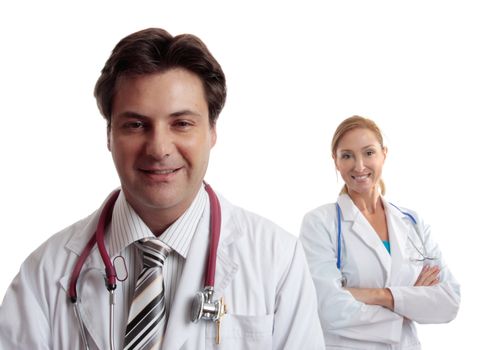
(226, 266)
(363, 230)
(179, 323)
(93, 297)
(180, 327)
(398, 226)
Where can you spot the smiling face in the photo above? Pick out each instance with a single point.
(359, 158)
(160, 139)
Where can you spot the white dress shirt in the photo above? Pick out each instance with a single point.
(127, 227)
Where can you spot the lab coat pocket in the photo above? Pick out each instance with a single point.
(241, 332)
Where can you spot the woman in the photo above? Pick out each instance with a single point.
(375, 266)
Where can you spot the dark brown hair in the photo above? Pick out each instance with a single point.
(154, 50)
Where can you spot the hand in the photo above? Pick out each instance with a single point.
(429, 276)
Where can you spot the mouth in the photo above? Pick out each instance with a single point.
(361, 177)
(159, 171)
(159, 175)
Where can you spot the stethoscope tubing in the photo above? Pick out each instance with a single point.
(339, 235)
(98, 238)
(215, 225)
(411, 218)
(104, 219)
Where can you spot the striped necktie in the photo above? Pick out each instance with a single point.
(147, 319)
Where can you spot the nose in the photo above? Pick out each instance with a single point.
(159, 143)
(359, 164)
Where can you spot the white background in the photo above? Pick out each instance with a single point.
(294, 71)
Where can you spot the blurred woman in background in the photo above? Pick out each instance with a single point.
(376, 268)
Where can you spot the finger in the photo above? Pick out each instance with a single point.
(432, 271)
(420, 280)
(432, 282)
(429, 280)
(427, 275)
(423, 275)
(434, 278)
(430, 276)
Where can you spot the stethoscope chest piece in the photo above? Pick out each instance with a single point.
(203, 306)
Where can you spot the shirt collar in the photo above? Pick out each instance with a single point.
(127, 227)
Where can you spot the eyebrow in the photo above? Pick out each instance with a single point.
(363, 148)
(183, 112)
(369, 146)
(129, 114)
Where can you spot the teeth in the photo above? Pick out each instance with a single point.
(361, 177)
(162, 172)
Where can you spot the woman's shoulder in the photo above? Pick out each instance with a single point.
(324, 210)
(400, 208)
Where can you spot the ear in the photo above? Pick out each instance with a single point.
(213, 135)
(385, 151)
(108, 139)
(334, 157)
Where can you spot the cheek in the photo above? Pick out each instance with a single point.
(378, 166)
(197, 145)
(343, 172)
(123, 150)
(344, 167)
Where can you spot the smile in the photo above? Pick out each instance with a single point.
(160, 172)
(361, 177)
(160, 175)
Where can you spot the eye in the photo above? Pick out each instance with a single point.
(346, 156)
(370, 152)
(182, 124)
(134, 125)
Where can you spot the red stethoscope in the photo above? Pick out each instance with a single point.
(203, 305)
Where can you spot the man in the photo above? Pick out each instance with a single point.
(161, 97)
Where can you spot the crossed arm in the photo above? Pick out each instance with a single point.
(429, 276)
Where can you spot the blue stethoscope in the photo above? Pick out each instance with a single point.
(421, 251)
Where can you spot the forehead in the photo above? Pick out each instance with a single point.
(358, 138)
(164, 80)
(170, 89)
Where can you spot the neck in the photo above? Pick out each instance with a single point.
(367, 202)
(158, 219)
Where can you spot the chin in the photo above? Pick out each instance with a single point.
(153, 199)
(361, 189)
(149, 196)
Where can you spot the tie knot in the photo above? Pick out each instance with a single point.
(154, 252)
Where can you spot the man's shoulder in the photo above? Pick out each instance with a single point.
(240, 222)
(70, 238)
(259, 244)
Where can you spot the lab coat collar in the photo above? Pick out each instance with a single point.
(399, 225)
(362, 228)
(92, 294)
(79, 239)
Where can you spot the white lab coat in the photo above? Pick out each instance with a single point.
(261, 273)
(350, 324)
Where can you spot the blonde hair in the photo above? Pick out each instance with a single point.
(356, 122)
